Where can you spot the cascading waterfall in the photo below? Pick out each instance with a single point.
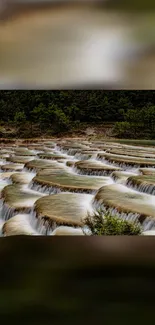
(29, 170)
(4, 182)
(44, 188)
(144, 188)
(85, 156)
(122, 165)
(146, 224)
(117, 179)
(44, 227)
(115, 213)
(41, 225)
(69, 151)
(91, 172)
(8, 212)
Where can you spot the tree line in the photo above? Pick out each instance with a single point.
(138, 123)
(59, 111)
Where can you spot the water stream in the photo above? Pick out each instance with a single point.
(54, 188)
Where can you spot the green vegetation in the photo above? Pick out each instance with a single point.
(138, 122)
(20, 118)
(102, 223)
(35, 113)
(130, 5)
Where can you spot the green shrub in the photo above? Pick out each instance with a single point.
(123, 129)
(101, 223)
(20, 118)
(51, 118)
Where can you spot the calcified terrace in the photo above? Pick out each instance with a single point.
(47, 187)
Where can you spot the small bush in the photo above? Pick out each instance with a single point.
(20, 118)
(123, 130)
(104, 224)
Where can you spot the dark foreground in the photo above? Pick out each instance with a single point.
(77, 280)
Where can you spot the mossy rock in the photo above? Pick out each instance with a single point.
(47, 150)
(6, 175)
(5, 151)
(19, 159)
(72, 146)
(63, 209)
(121, 176)
(67, 231)
(132, 153)
(4, 156)
(12, 167)
(62, 161)
(127, 160)
(51, 144)
(50, 171)
(105, 146)
(84, 156)
(124, 200)
(3, 183)
(18, 225)
(39, 164)
(147, 171)
(87, 154)
(18, 198)
(70, 163)
(21, 178)
(40, 148)
(92, 167)
(85, 142)
(51, 156)
(7, 148)
(24, 152)
(65, 181)
(89, 151)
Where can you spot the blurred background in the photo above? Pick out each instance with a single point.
(93, 280)
(77, 44)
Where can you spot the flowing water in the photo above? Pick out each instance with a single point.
(49, 187)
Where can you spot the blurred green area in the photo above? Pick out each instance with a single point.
(72, 281)
(144, 30)
(131, 4)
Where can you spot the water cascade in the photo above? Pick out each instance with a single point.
(144, 184)
(47, 186)
(8, 212)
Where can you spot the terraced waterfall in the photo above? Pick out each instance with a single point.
(48, 187)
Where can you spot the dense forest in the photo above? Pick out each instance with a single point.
(131, 112)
